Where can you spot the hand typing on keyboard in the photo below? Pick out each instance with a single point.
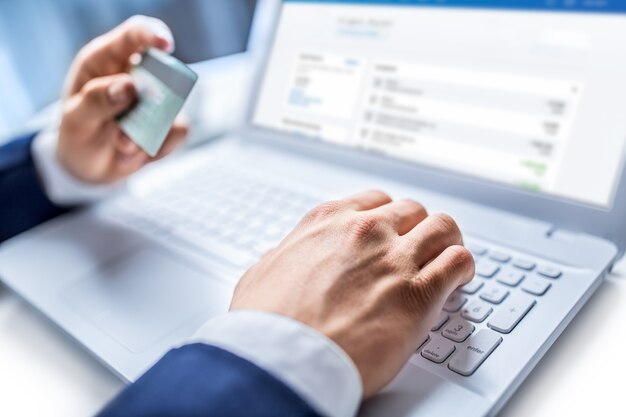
(369, 273)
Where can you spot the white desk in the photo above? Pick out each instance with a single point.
(43, 373)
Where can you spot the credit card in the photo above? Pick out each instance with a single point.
(163, 84)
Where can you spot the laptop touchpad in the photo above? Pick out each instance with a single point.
(145, 295)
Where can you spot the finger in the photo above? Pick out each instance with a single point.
(404, 214)
(110, 53)
(101, 99)
(452, 268)
(126, 165)
(175, 138)
(432, 236)
(124, 145)
(164, 37)
(133, 158)
(135, 35)
(366, 201)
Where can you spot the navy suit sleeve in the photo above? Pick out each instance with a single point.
(23, 201)
(201, 380)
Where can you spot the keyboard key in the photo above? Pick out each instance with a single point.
(273, 231)
(485, 268)
(454, 302)
(426, 339)
(442, 318)
(438, 349)
(510, 277)
(511, 313)
(499, 257)
(477, 250)
(495, 294)
(223, 251)
(244, 240)
(524, 264)
(472, 287)
(458, 329)
(473, 353)
(548, 271)
(536, 285)
(228, 233)
(476, 311)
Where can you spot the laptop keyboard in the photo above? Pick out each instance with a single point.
(225, 213)
(503, 291)
(232, 215)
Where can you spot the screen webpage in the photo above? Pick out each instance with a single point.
(527, 93)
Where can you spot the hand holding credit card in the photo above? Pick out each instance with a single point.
(163, 84)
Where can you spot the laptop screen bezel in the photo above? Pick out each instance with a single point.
(572, 215)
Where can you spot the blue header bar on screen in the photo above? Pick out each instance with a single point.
(580, 6)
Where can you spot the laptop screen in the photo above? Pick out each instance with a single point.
(529, 93)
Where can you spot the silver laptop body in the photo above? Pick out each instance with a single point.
(363, 103)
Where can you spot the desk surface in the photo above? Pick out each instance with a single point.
(42, 372)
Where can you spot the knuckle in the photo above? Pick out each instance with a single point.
(446, 223)
(423, 293)
(380, 194)
(365, 226)
(322, 211)
(461, 258)
(90, 90)
(415, 206)
(412, 202)
(431, 284)
(128, 34)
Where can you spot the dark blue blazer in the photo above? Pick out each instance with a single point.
(201, 380)
(195, 380)
(23, 202)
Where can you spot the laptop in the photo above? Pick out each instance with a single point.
(508, 115)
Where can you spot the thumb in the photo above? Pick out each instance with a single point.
(101, 99)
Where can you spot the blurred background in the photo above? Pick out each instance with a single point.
(39, 38)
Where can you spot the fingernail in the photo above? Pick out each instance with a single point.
(118, 93)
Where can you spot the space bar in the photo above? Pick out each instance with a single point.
(220, 250)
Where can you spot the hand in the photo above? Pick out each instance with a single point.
(370, 274)
(91, 145)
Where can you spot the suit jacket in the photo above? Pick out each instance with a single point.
(195, 380)
(23, 201)
(201, 380)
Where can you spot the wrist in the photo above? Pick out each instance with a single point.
(61, 186)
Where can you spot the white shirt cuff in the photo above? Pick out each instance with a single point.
(62, 187)
(308, 362)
